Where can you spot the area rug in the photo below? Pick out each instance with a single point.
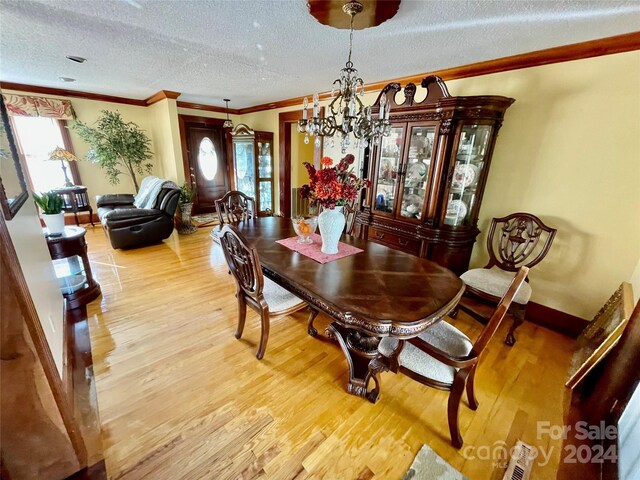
(205, 220)
(428, 465)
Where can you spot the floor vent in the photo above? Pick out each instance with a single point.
(521, 463)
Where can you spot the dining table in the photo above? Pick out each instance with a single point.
(375, 293)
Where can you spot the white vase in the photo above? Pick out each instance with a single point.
(54, 222)
(331, 222)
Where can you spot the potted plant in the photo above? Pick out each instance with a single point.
(117, 146)
(51, 205)
(186, 205)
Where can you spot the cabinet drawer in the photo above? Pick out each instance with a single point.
(406, 244)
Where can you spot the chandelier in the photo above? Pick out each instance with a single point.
(227, 123)
(347, 113)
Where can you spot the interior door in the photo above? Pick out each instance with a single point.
(206, 154)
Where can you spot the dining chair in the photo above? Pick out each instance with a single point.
(443, 357)
(233, 207)
(513, 241)
(252, 288)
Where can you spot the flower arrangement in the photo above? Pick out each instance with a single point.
(332, 186)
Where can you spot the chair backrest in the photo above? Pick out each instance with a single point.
(500, 311)
(234, 207)
(167, 200)
(243, 261)
(350, 216)
(513, 239)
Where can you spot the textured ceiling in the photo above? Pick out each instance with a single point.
(258, 51)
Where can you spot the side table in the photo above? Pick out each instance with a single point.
(75, 199)
(69, 254)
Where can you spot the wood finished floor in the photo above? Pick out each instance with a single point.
(180, 397)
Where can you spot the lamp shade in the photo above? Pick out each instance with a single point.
(62, 154)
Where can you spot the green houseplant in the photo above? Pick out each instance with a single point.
(117, 146)
(186, 197)
(51, 205)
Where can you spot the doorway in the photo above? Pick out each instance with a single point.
(204, 155)
(289, 139)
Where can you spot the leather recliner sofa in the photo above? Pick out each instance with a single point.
(127, 226)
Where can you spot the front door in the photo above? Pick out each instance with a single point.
(207, 161)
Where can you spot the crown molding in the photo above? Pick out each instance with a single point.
(71, 93)
(208, 108)
(161, 95)
(576, 51)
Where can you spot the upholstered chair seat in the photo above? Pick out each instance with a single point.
(280, 299)
(495, 281)
(443, 336)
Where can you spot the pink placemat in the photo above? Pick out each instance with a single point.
(312, 250)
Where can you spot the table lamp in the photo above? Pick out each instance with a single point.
(62, 155)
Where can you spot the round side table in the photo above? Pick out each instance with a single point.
(69, 254)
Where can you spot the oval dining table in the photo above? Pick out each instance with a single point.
(375, 293)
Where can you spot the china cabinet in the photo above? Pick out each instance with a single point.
(428, 175)
(252, 154)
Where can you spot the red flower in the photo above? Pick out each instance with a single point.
(332, 185)
(326, 161)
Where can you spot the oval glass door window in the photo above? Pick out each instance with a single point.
(207, 159)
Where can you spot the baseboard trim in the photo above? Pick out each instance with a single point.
(555, 320)
(97, 471)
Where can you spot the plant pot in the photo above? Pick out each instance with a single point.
(186, 227)
(54, 222)
(331, 222)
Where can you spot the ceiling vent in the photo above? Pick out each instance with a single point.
(67, 79)
(73, 58)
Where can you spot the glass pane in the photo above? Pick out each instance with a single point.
(70, 274)
(38, 136)
(264, 160)
(467, 171)
(265, 197)
(245, 168)
(417, 173)
(388, 170)
(207, 159)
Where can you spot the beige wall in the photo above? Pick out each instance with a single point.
(300, 152)
(35, 261)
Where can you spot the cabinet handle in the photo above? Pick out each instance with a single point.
(379, 235)
(403, 243)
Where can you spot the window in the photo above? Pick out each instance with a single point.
(37, 137)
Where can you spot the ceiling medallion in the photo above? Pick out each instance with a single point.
(347, 113)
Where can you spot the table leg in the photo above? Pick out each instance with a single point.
(359, 349)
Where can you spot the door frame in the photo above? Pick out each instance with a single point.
(285, 119)
(206, 122)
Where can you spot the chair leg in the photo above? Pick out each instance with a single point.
(242, 314)
(471, 394)
(264, 334)
(518, 311)
(454, 405)
(312, 316)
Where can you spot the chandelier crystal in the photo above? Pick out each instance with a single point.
(347, 113)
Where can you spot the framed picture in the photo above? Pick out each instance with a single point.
(13, 188)
(601, 335)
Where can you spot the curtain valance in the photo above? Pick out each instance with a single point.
(28, 106)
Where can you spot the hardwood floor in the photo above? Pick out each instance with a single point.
(180, 397)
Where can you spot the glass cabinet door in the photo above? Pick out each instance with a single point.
(469, 164)
(416, 173)
(388, 168)
(265, 177)
(245, 167)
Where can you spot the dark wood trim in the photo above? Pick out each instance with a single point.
(161, 95)
(97, 471)
(555, 320)
(592, 48)
(67, 361)
(208, 108)
(30, 314)
(71, 93)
